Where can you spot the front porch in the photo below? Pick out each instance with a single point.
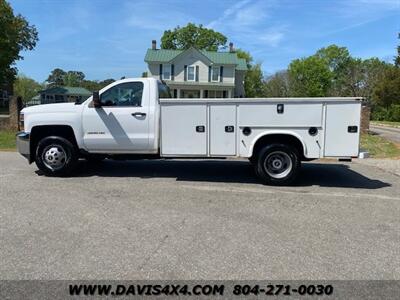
(201, 90)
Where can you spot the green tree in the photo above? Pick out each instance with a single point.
(245, 55)
(339, 61)
(336, 57)
(16, 35)
(310, 77)
(277, 85)
(253, 82)
(397, 58)
(95, 85)
(387, 91)
(373, 70)
(26, 87)
(73, 78)
(56, 77)
(253, 78)
(192, 36)
(59, 77)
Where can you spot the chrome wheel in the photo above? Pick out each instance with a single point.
(54, 157)
(278, 164)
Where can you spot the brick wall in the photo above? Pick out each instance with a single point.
(13, 119)
(365, 116)
(4, 123)
(11, 123)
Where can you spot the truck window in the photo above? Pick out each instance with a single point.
(163, 91)
(123, 94)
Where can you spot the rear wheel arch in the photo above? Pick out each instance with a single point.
(39, 132)
(279, 138)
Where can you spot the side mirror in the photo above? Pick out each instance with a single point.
(96, 99)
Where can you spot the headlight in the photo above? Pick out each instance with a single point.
(21, 121)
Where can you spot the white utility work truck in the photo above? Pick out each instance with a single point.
(136, 118)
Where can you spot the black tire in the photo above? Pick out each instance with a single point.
(277, 164)
(56, 156)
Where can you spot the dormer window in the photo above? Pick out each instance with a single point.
(166, 72)
(215, 74)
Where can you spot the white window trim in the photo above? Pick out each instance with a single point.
(165, 67)
(212, 73)
(194, 73)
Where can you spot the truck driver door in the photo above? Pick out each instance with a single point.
(121, 124)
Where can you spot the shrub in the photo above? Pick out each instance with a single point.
(394, 113)
(386, 114)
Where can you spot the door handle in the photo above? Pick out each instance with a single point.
(139, 114)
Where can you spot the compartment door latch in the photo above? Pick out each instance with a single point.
(200, 128)
(352, 129)
(280, 108)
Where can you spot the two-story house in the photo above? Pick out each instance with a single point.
(194, 73)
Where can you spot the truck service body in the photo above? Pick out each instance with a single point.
(135, 118)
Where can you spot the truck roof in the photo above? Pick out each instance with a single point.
(262, 100)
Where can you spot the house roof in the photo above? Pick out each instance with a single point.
(223, 58)
(67, 90)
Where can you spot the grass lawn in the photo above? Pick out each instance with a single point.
(379, 147)
(386, 123)
(7, 140)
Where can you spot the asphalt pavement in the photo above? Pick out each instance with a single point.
(390, 133)
(195, 219)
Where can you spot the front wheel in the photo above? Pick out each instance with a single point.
(277, 164)
(56, 156)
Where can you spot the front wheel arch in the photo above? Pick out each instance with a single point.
(39, 132)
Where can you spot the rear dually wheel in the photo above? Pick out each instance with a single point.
(277, 164)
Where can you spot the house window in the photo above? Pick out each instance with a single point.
(191, 73)
(215, 74)
(167, 72)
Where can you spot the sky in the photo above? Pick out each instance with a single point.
(109, 38)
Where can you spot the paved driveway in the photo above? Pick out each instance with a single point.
(197, 220)
(390, 133)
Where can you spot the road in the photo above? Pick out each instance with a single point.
(197, 220)
(390, 133)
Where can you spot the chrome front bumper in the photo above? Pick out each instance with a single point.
(23, 146)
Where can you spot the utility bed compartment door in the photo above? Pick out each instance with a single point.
(223, 130)
(184, 130)
(292, 114)
(342, 132)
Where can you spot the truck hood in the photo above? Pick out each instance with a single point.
(51, 108)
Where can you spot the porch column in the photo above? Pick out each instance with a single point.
(201, 93)
(178, 93)
(229, 93)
